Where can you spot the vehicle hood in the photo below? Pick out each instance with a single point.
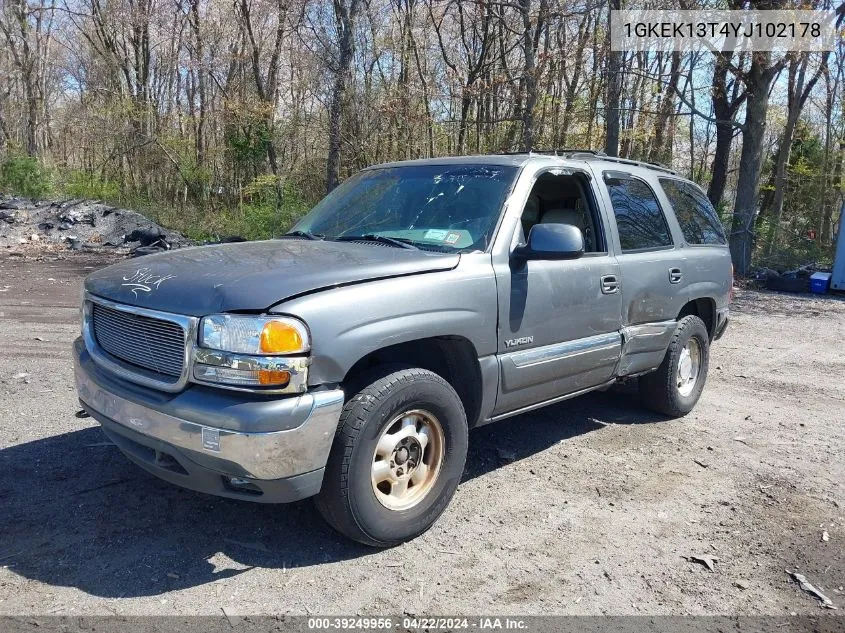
(253, 276)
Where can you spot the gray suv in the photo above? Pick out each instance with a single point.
(348, 359)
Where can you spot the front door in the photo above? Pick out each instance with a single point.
(559, 321)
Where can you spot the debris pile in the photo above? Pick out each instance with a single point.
(81, 225)
(796, 280)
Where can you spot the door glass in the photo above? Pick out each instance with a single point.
(639, 217)
(564, 199)
(698, 220)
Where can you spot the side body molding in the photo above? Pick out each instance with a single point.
(541, 373)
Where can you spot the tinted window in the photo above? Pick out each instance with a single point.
(638, 215)
(695, 214)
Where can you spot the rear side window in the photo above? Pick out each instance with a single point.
(639, 218)
(698, 220)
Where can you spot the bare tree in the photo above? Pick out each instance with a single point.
(798, 89)
(345, 12)
(758, 81)
(614, 92)
(28, 32)
(727, 98)
(266, 75)
(661, 150)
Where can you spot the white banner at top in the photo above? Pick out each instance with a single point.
(635, 30)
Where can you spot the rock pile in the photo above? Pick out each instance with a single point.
(82, 225)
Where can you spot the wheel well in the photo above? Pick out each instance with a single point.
(454, 358)
(704, 309)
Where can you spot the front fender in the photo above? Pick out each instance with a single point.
(347, 323)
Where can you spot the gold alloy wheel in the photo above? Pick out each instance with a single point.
(407, 459)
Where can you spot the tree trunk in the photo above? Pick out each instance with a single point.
(661, 151)
(345, 14)
(530, 41)
(721, 162)
(614, 92)
(462, 125)
(827, 220)
(200, 124)
(758, 81)
(724, 111)
(823, 221)
(797, 94)
(25, 60)
(574, 82)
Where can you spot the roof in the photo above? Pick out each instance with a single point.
(518, 159)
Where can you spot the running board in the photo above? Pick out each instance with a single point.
(546, 403)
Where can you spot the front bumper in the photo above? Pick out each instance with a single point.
(267, 449)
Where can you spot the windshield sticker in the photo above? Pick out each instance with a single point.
(452, 238)
(436, 234)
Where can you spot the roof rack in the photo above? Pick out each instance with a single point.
(575, 152)
(640, 163)
(559, 151)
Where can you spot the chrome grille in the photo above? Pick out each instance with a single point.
(152, 344)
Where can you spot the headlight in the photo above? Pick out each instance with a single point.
(265, 336)
(244, 351)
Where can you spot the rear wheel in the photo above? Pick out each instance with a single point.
(674, 388)
(397, 458)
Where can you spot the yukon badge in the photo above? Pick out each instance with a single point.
(522, 340)
(144, 281)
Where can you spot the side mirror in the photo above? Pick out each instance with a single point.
(552, 241)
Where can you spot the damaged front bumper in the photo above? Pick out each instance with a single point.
(259, 448)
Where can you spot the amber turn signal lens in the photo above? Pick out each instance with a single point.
(270, 377)
(280, 338)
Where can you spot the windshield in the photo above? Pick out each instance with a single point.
(437, 207)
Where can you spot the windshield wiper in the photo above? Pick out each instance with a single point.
(306, 234)
(383, 239)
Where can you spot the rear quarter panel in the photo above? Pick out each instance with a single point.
(708, 273)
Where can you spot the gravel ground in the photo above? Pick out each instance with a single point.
(588, 507)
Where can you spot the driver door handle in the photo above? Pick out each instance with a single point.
(609, 285)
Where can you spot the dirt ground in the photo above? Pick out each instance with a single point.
(588, 507)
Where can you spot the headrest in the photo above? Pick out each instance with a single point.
(563, 216)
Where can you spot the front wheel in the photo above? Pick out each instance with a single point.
(397, 458)
(674, 388)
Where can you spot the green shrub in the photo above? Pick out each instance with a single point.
(272, 207)
(24, 176)
(83, 184)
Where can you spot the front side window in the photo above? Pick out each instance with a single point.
(446, 208)
(639, 218)
(697, 217)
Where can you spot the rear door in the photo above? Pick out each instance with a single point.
(650, 258)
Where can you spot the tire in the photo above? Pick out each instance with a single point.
(394, 400)
(668, 391)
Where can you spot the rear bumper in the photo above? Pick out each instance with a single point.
(164, 433)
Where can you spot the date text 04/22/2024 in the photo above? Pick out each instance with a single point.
(413, 623)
